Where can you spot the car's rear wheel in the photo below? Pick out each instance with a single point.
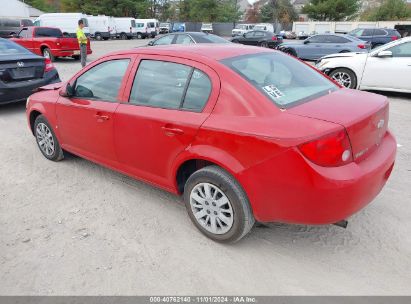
(47, 140)
(344, 77)
(264, 44)
(47, 54)
(123, 36)
(76, 57)
(98, 36)
(217, 205)
(139, 36)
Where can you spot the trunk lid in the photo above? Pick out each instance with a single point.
(25, 68)
(363, 115)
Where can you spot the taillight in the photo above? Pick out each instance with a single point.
(333, 150)
(394, 38)
(48, 65)
(274, 38)
(362, 46)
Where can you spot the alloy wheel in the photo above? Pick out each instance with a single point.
(343, 79)
(45, 139)
(211, 208)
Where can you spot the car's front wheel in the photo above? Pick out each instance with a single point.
(344, 77)
(47, 140)
(217, 205)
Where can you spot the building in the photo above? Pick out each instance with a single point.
(18, 9)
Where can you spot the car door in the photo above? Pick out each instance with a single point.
(85, 119)
(258, 37)
(169, 99)
(389, 72)
(311, 47)
(248, 38)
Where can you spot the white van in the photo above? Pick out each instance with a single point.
(102, 27)
(142, 29)
(264, 27)
(242, 29)
(126, 28)
(153, 26)
(66, 22)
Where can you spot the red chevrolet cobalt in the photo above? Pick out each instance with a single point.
(244, 134)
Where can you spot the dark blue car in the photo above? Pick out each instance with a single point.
(376, 36)
(321, 45)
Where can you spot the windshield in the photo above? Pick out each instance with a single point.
(10, 48)
(241, 27)
(283, 79)
(164, 24)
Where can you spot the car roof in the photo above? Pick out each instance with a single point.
(211, 51)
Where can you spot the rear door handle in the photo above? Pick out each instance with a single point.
(171, 131)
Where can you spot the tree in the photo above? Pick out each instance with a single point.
(278, 11)
(332, 10)
(44, 5)
(388, 10)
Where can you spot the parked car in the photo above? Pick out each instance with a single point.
(153, 26)
(10, 27)
(187, 38)
(403, 29)
(102, 27)
(386, 68)
(241, 29)
(179, 27)
(49, 42)
(186, 124)
(207, 28)
(66, 22)
(126, 28)
(318, 46)
(165, 28)
(259, 38)
(22, 72)
(290, 35)
(302, 35)
(264, 27)
(376, 36)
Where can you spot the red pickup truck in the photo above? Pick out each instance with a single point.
(49, 42)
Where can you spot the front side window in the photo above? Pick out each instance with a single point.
(284, 80)
(317, 39)
(103, 81)
(401, 50)
(170, 85)
(164, 40)
(183, 39)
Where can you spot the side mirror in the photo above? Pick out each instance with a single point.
(68, 91)
(151, 43)
(384, 54)
(306, 41)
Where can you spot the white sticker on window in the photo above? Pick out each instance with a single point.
(273, 91)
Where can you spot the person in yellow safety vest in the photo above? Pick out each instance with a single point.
(82, 41)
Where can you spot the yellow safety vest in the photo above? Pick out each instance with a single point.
(82, 39)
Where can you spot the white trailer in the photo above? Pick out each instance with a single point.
(66, 22)
(102, 27)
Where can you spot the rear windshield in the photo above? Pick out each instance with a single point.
(209, 38)
(283, 79)
(10, 48)
(48, 32)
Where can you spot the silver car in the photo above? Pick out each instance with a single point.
(321, 45)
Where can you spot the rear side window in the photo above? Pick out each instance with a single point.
(103, 81)
(170, 85)
(337, 39)
(183, 39)
(164, 40)
(48, 32)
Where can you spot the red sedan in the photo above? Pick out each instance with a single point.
(245, 134)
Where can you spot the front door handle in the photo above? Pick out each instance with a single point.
(101, 117)
(171, 131)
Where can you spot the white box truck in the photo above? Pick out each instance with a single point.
(126, 27)
(66, 22)
(102, 27)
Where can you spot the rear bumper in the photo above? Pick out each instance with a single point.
(69, 53)
(291, 189)
(18, 91)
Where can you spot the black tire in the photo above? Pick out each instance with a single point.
(243, 219)
(57, 154)
(47, 54)
(351, 74)
(105, 38)
(76, 57)
(235, 41)
(123, 36)
(98, 37)
(377, 45)
(345, 51)
(264, 44)
(139, 36)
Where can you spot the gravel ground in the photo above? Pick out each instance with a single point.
(76, 228)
